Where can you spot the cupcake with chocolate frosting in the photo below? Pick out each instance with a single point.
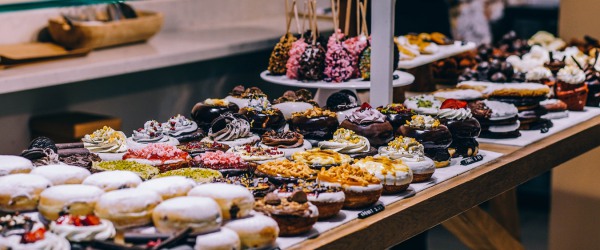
(204, 113)
(231, 129)
(370, 123)
(315, 123)
(464, 128)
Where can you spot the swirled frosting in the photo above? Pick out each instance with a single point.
(538, 73)
(404, 148)
(423, 121)
(501, 110)
(236, 127)
(105, 230)
(347, 142)
(365, 116)
(152, 132)
(178, 125)
(455, 114)
(105, 140)
(571, 75)
(49, 242)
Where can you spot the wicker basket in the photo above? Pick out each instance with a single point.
(101, 35)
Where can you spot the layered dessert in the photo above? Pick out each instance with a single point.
(346, 141)
(204, 113)
(196, 148)
(262, 116)
(43, 151)
(315, 124)
(294, 214)
(361, 188)
(526, 97)
(107, 143)
(162, 156)
(257, 154)
(423, 104)
(285, 171)
(393, 174)
(151, 133)
(397, 114)
(435, 137)
(343, 103)
(317, 158)
(231, 129)
(370, 123)
(571, 87)
(225, 162)
(497, 119)
(182, 129)
(464, 128)
(412, 153)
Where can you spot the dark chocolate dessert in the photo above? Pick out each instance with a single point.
(204, 113)
(315, 124)
(370, 123)
(435, 137)
(312, 63)
(397, 114)
(262, 116)
(464, 128)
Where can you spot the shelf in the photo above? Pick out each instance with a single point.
(444, 52)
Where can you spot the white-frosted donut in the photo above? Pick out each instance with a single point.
(201, 214)
(224, 239)
(129, 207)
(75, 199)
(113, 180)
(235, 201)
(11, 164)
(50, 242)
(105, 230)
(62, 174)
(355, 188)
(21, 192)
(425, 166)
(257, 231)
(170, 186)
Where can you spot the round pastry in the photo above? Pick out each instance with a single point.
(344, 103)
(162, 156)
(204, 113)
(257, 185)
(361, 188)
(315, 124)
(35, 238)
(346, 141)
(62, 174)
(411, 152)
(73, 199)
(127, 208)
(396, 114)
(83, 228)
(434, 136)
(525, 96)
(557, 109)
(257, 154)
(199, 175)
(180, 213)
(231, 129)
(10, 164)
(464, 128)
(292, 102)
(287, 142)
(42, 151)
(262, 116)
(571, 87)
(241, 95)
(113, 180)
(294, 214)
(329, 200)
(255, 232)
(222, 240)
(370, 123)
(151, 133)
(393, 174)
(197, 148)
(224, 162)
(540, 75)
(144, 171)
(458, 94)
(109, 144)
(497, 119)
(234, 200)
(169, 187)
(317, 158)
(285, 171)
(423, 104)
(21, 192)
(182, 129)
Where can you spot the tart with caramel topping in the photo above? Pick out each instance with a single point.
(317, 158)
(283, 171)
(361, 188)
(394, 174)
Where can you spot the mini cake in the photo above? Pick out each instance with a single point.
(592, 80)
(234, 200)
(257, 185)
(177, 214)
(169, 187)
(434, 136)
(199, 175)
(73, 199)
(33, 237)
(317, 158)
(329, 200)
(182, 129)
(107, 143)
(346, 141)
(571, 88)
(557, 109)
(370, 123)
(288, 142)
(458, 94)
(151, 133)
(204, 113)
(423, 104)
(10, 164)
(162, 156)
(257, 154)
(241, 95)
(62, 174)
(82, 228)
(464, 128)
(393, 174)
(525, 96)
(144, 171)
(262, 116)
(21, 192)
(397, 114)
(232, 130)
(127, 208)
(361, 188)
(197, 148)
(411, 152)
(113, 180)
(227, 163)
(292, 102)
(497, 119)
(294, 214)
(255, 232)
(315, 124)
(223, 239)
(285, 171)
(344, 103)
(540, 75)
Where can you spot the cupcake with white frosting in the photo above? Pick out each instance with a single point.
(232, 130)
(182, 129)
(346, 141)
(411, 152)
(108, 143)
(85, 228)
(571, 87)
(151, 133)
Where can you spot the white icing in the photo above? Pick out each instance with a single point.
(10, 164)
(72, 193)
(241, 151)
(113, 180)
(455, 114)
(22, 185)
(356, 189)
(501, 110)
(412, 103)
(342, 115)
(342, 142)
(432, 48)
(257, 231)
(288, 108)
(110, 156)
(400, 175)
(137, 145)
(62, 174)
(538, 73)
(170, 186)
(426, 166)
(50, 242)
(105, 140)
(504, 128)
(105, 230)
(217, 102)
(571, 75)
(236, 142)
(287, 152)
(325, 197)
(221, 240)
(201, 214)
(459, 94)
(525, 64)
(178, 125)
(238, 101)
(556, 115)
(126, 201)
(227, 196)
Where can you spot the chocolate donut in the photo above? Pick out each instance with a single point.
(436, 138)
(370, 123)
(315, 124)
(204, 113)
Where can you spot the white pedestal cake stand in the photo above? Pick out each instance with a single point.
(325, 89)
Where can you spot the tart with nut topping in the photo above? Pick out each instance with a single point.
(393, 174)
(285, 171)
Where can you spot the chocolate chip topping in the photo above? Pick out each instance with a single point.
(298, 196)
(272, 199)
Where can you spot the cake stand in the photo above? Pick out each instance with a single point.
(325, 89)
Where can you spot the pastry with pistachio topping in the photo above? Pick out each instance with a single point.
(411, 152)
(397, 114)
(145, 171)
(346, 141)
(423, 104)
(204, 113)
(393, 174)
(435, 137)
(108, 143)
(361, 188)
(262, 116)
(315, 123)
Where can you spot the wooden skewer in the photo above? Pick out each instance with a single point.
(333, 15)
(347, 24)
(304, 18)
(296, 19)
(358, 21)
(364, 13)
(287, 17)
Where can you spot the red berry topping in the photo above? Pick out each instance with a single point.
(365, 105)
(32, 237)
(153, 243)
(91, 220)
(453, 104)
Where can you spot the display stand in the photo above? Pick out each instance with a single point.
(444, 52)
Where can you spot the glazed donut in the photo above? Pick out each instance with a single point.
(21, 192)
(73, 199)
(222, 240)
(10, 164)
(170, 186)
(235, 201)
(201, 214)
(257, 231)
(113, 180)
(127, 208)
(62, 174)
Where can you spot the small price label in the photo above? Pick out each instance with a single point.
(371, 211)
(544, 130)
(471, 160)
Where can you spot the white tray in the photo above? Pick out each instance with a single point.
(444, 52)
